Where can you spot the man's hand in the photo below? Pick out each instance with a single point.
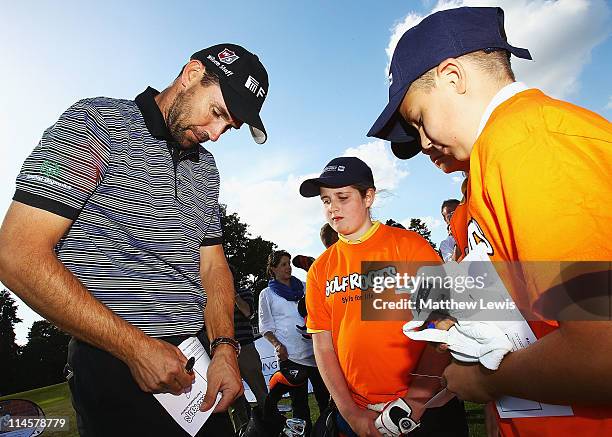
(469, 382)
(159, 367)
(223, 377)
(281, 352)
(362, 422)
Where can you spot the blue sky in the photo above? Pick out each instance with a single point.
(327, 66)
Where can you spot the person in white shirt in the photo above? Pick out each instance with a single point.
(447, 246)
(279, 322)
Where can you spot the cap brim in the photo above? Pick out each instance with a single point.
(378, 128)
(312, 187)
(244, 112)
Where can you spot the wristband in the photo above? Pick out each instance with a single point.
(224, 340)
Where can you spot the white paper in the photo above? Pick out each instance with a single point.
(185, 408)
(520, 335)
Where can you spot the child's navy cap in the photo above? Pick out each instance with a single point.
(339, 172)
(445, 34)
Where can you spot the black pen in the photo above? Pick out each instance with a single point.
(190, 364)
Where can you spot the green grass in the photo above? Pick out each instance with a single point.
(55, 401)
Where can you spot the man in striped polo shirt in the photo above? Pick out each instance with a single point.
(114, 235)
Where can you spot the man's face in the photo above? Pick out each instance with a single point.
(199, 114)
(436, 114)
(447, 213)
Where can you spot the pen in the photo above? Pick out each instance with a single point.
(189, 369)
(190, 364)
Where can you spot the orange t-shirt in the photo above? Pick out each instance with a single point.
(539, 190)
(375, 356)
(458, 228)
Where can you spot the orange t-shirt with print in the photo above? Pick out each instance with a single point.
(375, 356)
(539, 190)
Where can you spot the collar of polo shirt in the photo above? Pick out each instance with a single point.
(156, 125)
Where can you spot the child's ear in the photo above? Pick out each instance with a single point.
(451, 73)
(369, 197)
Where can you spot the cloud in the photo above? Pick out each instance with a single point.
(386, 169)
(560, 36)
(274, 209)
(457, 179)
(609, 105)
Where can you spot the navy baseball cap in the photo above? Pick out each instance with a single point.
(445, 34)
(243, 81)
(339, 172)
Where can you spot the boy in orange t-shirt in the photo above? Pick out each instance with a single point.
(366, 364)
(538, 190)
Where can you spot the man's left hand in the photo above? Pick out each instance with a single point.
(470, 382)
(223, 377)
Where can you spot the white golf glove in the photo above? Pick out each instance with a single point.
(469, 342)
(394, 419)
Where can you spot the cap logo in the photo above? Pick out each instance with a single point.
(334, 168)
(227, 56)
(222, 67)
(253, 85)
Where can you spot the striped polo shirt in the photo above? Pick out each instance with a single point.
(141, 208)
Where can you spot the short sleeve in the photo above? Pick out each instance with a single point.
(207, 191)
(319, 314)
(266, 321)
(68, 163)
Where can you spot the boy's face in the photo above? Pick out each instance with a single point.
(444, 117)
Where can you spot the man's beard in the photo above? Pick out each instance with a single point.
(178, 112)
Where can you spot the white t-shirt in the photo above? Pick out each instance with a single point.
(280, 317)
(447, 248)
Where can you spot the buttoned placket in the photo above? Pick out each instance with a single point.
(179, 155)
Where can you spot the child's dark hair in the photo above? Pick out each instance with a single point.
(363, 188)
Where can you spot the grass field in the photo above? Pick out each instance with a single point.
(55, 401)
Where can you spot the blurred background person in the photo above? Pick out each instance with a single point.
(279, 320)
(447, 246)
(249, 360)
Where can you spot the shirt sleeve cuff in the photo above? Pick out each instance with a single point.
(211, 241)
(47, 204)
(316, 331)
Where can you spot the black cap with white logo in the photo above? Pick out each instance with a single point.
(243, 81)
(339, 172)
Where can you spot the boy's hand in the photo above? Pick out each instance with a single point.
(362, 422)
(395, 418)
